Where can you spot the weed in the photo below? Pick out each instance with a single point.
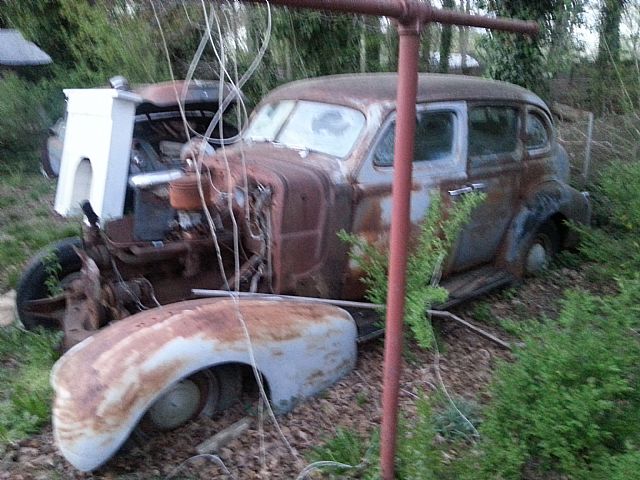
(569, 259)
(510, 293)
(25, 395)
(615, 246)
(346, 447)
(361, 399)
(519, 327)
(450, 424)
(23, 234)
(417, 457)
(437, 235)
(482, 313)
(52, 270)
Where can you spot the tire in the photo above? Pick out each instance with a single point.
(205, 392)
(541, 250)
(32, 283)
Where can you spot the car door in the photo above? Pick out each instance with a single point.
(438, 158)
(493, 166)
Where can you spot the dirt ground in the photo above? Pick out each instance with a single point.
(466, 365)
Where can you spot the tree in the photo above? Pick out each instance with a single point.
(609, 32)
(445, 41)
(521, 59)
(608, 67)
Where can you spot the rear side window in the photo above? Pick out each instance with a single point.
(433, 141)
(492, 131)
(537, 134)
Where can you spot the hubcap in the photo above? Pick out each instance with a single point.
(537, 258)
(181, 403)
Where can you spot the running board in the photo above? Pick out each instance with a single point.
(462, 287)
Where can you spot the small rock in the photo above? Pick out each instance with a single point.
(7, 308)
(28, 452)
(43, 461)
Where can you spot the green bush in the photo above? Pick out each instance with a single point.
(438, 233)
(615, 246)
(23, 122)
(571, 402)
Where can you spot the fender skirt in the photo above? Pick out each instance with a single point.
(104, 385)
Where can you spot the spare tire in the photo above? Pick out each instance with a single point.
(33, 282)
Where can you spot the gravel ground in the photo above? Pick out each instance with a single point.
(466, 365)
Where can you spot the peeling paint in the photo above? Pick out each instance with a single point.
(105, 384)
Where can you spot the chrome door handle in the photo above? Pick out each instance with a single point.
(480, 187)
(460, 191)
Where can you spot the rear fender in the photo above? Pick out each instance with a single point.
(547, 200)
(104, 385)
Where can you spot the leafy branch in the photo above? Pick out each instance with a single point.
(438, 234)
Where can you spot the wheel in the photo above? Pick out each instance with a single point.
(33, 282)
(205, 392)
(541, 250)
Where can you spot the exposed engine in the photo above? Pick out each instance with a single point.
(197, 229)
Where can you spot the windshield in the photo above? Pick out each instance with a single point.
(321, 127)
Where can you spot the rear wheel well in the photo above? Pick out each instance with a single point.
(207, 391)
(247, 375)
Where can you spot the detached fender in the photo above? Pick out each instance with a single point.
(104, 385)
(544, 202)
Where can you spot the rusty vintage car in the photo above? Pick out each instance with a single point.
(263, 216)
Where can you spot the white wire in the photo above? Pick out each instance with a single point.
(321, 465)
(436, 364)
(250, 71)
(435, 279)
(222, 61)
(224, 74)
(217, 120)
(173, 79)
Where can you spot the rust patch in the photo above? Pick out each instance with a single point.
(315, 377)
(90, 371)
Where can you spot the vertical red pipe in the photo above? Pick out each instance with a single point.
(401, 201)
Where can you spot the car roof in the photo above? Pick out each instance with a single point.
(362, 90)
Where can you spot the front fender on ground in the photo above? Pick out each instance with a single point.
(105, 384)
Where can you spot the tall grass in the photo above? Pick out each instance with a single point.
(27, 221)
(25, 395)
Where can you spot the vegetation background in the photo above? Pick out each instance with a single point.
(567, 406)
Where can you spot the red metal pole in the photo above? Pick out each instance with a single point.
(401, 202)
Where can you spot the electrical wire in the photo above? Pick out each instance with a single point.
(235, 84)
(225, 74)
(435, 279)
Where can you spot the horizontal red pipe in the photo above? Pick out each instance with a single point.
(407, 11)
